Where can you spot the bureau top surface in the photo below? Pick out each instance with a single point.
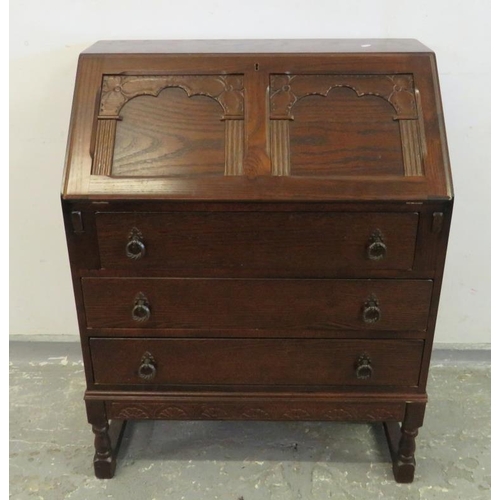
(257, 120)
(311, 46)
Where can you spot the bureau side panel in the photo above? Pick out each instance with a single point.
(443, 236)
(81, 238)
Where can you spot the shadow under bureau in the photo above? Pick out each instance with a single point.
(257, 231)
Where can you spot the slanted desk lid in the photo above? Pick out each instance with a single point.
(289, 120)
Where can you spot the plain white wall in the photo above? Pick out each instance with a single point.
(46, 38)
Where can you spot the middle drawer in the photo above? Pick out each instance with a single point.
(321, 304)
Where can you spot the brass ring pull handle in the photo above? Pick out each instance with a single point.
(135, 248)
(147, 368)
(377, 249)
(141, 310)
(371, 310)
(364, 368)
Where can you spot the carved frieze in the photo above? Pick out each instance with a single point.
(241, 411)
(286, 90)
(227, 90)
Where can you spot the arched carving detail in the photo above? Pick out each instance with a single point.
(398, 90)
(117, 90)
(287, 90)
(227, 90)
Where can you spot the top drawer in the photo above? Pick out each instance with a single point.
(313, 244)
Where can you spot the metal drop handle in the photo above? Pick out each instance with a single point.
(371, 310)
(377, 249)
(147, 368)
(135, 248)
(141, 310)
(364, 369)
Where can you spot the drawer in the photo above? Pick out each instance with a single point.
(118, 361)
(313, 244)
(256, 303)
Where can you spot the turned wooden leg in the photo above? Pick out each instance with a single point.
(106, 441)
(104, 460)
(401, 442)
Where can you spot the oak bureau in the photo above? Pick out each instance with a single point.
(257, 231)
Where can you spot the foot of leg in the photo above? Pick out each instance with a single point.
(104, 458)
(106, 441)
(401, 441)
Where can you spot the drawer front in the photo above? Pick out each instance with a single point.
(256, 303)
(119, 361)
(305, 244)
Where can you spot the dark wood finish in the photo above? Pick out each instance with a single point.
(401, 440)
(161, 136)
(437, 222)
(107, 438)
(76, 219)
(254, 362)
(307, 244)
(257, 230)
(205, 332)
(247, 408)
(434, 184)
(344, 135)
(258, 304)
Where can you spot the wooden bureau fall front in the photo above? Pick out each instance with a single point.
(257, 231)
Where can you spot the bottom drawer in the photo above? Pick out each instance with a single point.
(229, 362)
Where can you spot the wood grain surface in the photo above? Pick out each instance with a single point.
(374, 175)
(169, 135)
(343, 134)
(258, 304)
(222, 200)
(256, 362)
(314, 244)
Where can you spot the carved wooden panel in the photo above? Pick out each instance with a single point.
(397, 150)
(321, 410)
(169, 135)
(226, 90)
(105, 140)
(235, 146)
(280, 147)
(398, 90)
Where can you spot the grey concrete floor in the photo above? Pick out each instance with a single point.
(51, 444)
